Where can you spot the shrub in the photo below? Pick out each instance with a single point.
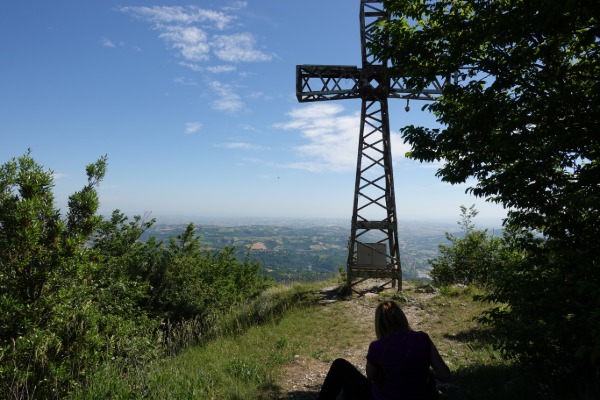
(47, 330)
(78, 291)
(550, 320)
(469, 259)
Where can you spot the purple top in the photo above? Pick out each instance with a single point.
(402, 361)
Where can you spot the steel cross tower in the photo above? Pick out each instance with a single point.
(373, 248)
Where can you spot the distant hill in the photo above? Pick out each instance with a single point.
(306, 249)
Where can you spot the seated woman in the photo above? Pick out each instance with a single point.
(400, 363)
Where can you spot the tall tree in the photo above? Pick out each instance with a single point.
(523, 119)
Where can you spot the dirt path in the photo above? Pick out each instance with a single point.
(304, 376)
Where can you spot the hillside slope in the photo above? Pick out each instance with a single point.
(287, 355)
(343, 327)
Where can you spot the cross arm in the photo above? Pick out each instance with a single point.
(338, 82)
(327, 82)
(398, 89)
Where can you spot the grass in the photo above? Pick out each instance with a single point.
(246, 361)
(237, 361)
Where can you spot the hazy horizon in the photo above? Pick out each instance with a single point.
(195, 108)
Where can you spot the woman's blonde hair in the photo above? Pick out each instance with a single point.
(389, 318)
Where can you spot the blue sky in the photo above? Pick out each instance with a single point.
(194, 104)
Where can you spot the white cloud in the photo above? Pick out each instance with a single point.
(241, 145)
(236, 5)
(185, 81)
(432, 165)
(331, 136)
(188, 31)
(192, 127)
(259, 95)
(191, 42)
(179, 15)
(238, 47)
(227, 100)
(220, 69)
(248, 127)
(107, 43)
(193, 66)
(58, 175)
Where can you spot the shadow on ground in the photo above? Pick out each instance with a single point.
(493, 383)
(302, 395)
(478, 336)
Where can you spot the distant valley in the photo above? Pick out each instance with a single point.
(304, 250)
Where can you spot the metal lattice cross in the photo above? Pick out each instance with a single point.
(373, 248)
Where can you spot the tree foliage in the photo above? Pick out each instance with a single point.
(80, 290)
(469, 258)
(522, 119)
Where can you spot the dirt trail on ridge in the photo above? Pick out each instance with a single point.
(303, 377)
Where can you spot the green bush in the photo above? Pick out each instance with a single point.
(551, 319)
(545, 295)
(471, 258)
(80, 291)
